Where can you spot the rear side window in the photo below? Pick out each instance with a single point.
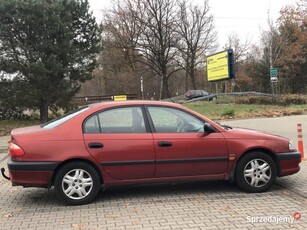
(56, 122)
(118, 120)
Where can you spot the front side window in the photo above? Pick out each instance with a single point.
(169, 120)
(118, 120)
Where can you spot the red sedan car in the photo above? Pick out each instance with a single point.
(119, 143)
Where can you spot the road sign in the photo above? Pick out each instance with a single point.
(274, 79)
(273, 72)
(120, 98)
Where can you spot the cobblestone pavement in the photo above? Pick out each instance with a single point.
(205, 205)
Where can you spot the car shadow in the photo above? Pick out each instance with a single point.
(161, 192)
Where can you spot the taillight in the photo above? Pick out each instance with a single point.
(15, 150)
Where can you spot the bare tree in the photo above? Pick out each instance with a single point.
(122, 30)
(239, 47)
(196, 29)
(159, 40)
(275, 43)
(144, 31)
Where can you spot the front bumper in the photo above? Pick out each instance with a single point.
(289, 163)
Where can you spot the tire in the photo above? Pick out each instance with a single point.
(255, 172)
(77, 183)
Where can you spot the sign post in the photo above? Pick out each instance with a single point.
(220, 66)
(142, 88)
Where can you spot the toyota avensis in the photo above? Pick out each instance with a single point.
(133, 142)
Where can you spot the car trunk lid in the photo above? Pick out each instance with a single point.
(26, 130)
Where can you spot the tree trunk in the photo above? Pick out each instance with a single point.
(164, 83)
(186, 81)
(193, 78)
(43, 111)
(165, 89)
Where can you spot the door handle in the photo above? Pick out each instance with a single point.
(165, 144)
(95, 145)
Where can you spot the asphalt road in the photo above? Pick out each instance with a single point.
(283, 126)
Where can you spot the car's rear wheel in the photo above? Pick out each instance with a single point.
(255, 172)
(77, 183)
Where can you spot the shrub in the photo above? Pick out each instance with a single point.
(228, 112)
(12, 113)
(282, 100)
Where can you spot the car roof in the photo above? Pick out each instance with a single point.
(194, 90)
(133, 102)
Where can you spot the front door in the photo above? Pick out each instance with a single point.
(182, 147)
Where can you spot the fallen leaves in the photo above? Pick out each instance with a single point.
(79, 226)
(9, 215)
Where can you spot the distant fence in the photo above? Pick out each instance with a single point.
(181, 98)
(250, 93)
(108, 97)
(92, 99)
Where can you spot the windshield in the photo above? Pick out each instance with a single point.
(58, 121)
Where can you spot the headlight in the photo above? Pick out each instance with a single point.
(291, 147)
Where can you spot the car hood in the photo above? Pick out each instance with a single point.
(244, 133)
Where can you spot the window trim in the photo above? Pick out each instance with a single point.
(146, 123)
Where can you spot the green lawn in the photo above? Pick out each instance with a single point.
(217, 111)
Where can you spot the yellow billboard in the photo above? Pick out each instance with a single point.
(218, 66)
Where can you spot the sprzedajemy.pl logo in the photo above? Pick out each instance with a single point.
(273, 219)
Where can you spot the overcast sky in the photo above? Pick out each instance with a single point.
(245, 17)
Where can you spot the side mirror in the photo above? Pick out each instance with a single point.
(208, 128)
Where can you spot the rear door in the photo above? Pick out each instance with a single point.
(182, 147)
(120, 141)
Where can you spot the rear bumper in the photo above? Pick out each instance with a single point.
(31, 174)
(32, 165)
(288, 163)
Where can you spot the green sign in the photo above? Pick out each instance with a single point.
(273, 72)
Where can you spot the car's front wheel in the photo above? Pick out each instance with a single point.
(256, 172)
(77, 183)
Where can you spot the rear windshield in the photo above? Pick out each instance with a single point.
(58, 121)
